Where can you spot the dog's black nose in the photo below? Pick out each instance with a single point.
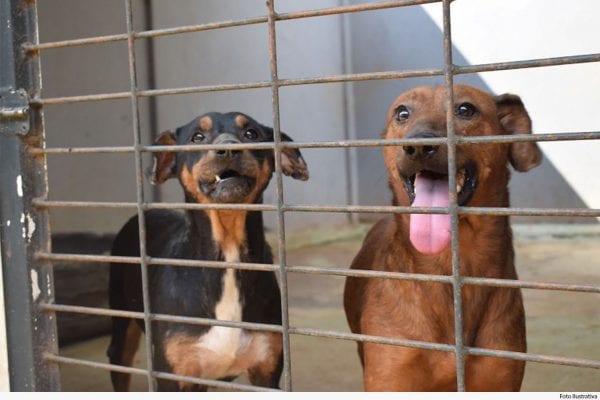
(227, 138)
(420, 152)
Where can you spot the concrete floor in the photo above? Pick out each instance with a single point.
(558, 323)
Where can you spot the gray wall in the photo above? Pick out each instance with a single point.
(88, 70)
(305, 48)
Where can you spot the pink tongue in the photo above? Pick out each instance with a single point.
(430, 233)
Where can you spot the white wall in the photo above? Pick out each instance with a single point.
(559, 99)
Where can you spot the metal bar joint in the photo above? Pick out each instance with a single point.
(14, 111)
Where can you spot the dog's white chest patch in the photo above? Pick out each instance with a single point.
(226, 342)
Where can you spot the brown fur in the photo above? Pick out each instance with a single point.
(259, 357)
(206, 123)
(163, 164)
(493, 317)
(241, 121)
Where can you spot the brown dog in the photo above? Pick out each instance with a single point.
(493, 318)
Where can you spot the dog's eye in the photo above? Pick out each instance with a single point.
(402, 113)
(251, 134)
(465, 110)
(198, 137)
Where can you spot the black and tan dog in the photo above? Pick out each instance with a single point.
(209, 176)
(419, 243)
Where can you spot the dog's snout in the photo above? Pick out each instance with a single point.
(420, 152)
(227, 138)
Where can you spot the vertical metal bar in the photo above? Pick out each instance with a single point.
(349, 116)
(139, 183)
(287, 371)
(28, 283)
(453, 206)
(156, 192)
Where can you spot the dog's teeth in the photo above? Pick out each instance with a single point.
(217, 178)
(458, 188)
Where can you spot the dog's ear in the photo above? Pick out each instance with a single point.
(164, 161)
(514, 119)
(292, 162)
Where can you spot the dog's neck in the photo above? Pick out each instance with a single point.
(482, 238)
(233, 232)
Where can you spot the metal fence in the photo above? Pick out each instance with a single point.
(24, 193)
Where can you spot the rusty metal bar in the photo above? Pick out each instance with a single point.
(139, 184)
(499, 211)
(459, 351)
(570, 361)
(513, 283)
(29, 332)
(108, 312)
(162, 375)
(539, 137)
(369, 76)
(30, 47)
(287, 363)
(575, 362)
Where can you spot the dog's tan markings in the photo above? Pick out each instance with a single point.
(180, 354)
(132, 341)
(256, 353)
(206, 123)
(228, 227)
(241, 121)
(265, 356)
(164, 161)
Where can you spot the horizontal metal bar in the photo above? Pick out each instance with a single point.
(534, 212)
(380, 5)
(541, 137)
(569, 361)
(576, 362)
(249, 207)
(160, 375)
(151, 206)
(324, 271)
(178, 262)
(37, 102)
(520, 211)
(502, 66)
(512, 283)
(372, 339)
(534, 63)
(143, 34)
(105, 312)
(224, 24)
(498, 211)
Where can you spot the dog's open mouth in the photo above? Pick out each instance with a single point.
(430, 233)
(228, 186)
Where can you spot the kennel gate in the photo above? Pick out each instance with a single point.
(27, 259)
